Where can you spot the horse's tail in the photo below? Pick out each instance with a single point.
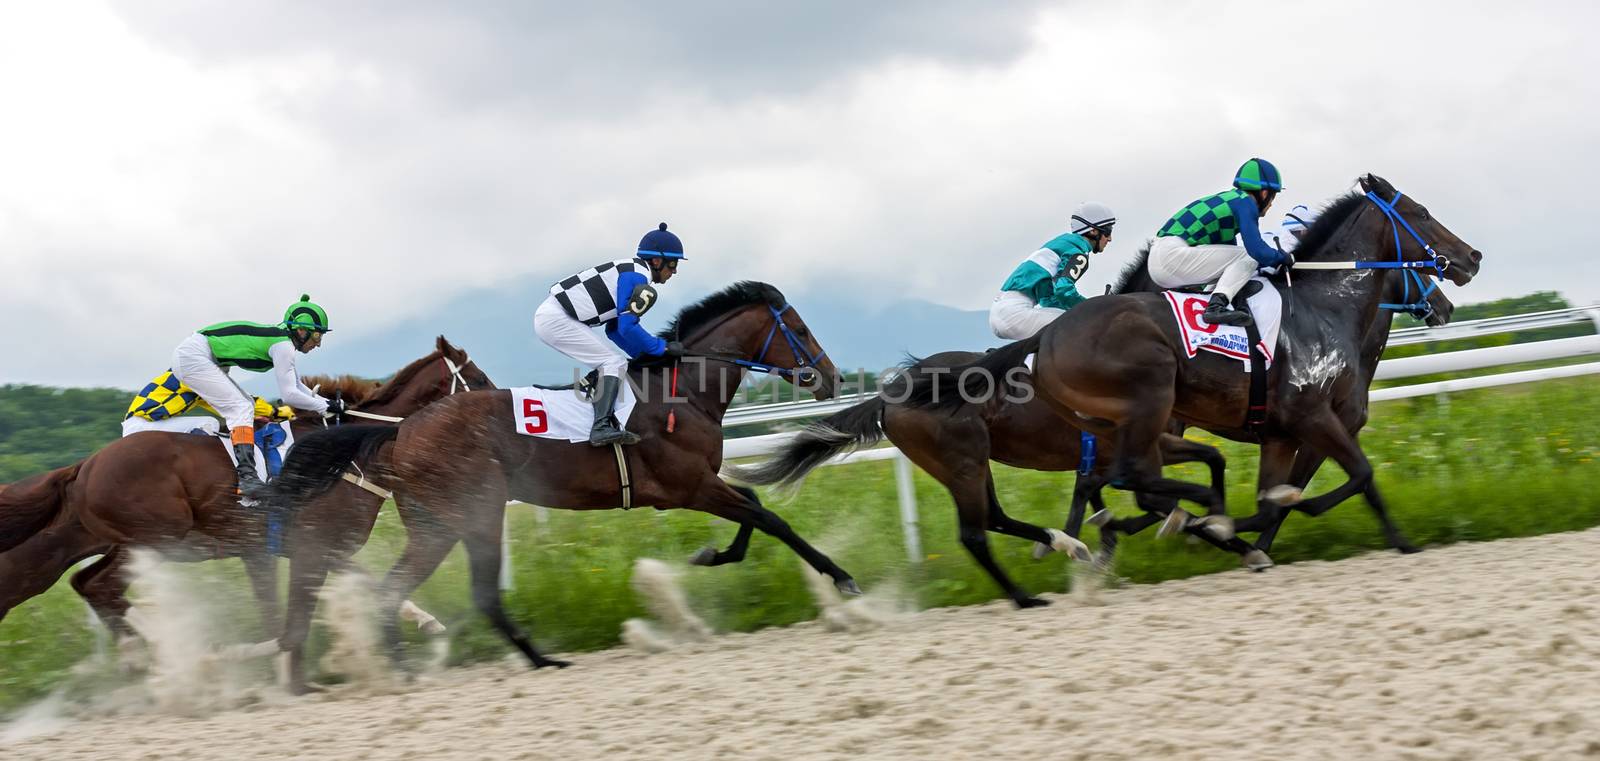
(975, 382)
(318, 461)
(29, 505)
(853, 427)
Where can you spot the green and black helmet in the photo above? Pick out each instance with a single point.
(1258, 174)
(305, 315)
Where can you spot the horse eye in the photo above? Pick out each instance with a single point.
(1424, 214)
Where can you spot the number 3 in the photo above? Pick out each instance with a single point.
(1076, 268)
(533, 416)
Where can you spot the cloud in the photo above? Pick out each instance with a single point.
(171, 165)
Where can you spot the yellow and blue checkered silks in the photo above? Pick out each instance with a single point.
(166, 397)
(162, 398)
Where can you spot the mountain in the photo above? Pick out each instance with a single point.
(495, 325)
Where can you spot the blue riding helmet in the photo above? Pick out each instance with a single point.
(659, 242)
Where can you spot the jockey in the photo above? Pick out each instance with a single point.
(1293, 227)
(614, 294)
(202, 360)
(1196, 246)
(1045, 285)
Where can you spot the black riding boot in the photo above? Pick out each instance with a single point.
(606, 431)
(1220, 312)
(250, 485)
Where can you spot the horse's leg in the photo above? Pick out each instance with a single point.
(1176, 450)
(482, 540)
(718, 498)
(1137, 466)
(1306, 464)
(974, 512)
(104, 585)
(262, 568)
(1329, 436)
(427, 543)
(32, 567)
(710, 556)
(324, 536)
(1001, 523)
(1277, 455)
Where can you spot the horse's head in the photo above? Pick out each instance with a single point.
(1408, 292)
(1420, 236)
(445, 371)
(755, 322)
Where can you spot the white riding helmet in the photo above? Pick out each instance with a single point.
(1298, 220)
(1093, 216)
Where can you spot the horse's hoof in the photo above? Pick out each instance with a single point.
(1040, 550)
(1060, 542)
(1284, 494)
(431, 627)
(848, 588)
(1031, 602)
(1176, 522)
(1100, 518)
(1256, 560)
(704, 556)
(1102, 561)
(1219, 526)
(543, 662)
(1408, 549)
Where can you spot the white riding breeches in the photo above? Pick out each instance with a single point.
(179, 424)
(1013, 316)
(1174, 264)
(193, 364)
(576, 340)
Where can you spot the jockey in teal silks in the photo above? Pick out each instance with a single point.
(1045, 285)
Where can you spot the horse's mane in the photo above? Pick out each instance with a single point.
(355, 390)
(1136, 273)
(707, 310)
(1328, 221)
(391, 388)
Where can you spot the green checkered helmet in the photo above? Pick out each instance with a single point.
(1258, 174)
(306, 315)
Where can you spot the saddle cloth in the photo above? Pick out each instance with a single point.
(205, 425)
(1266, 306)
(562, 414)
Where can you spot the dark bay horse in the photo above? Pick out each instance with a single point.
(1115, 365)
(454, 466)
(956, 449)
(174, 492)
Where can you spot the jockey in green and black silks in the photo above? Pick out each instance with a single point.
(1045, 285)
(1197, 245)
(200, 367)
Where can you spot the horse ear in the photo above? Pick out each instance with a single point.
(443, 346)
(1366, 181)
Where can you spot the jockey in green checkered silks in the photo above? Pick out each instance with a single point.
(1196, 246)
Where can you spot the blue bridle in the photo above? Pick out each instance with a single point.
(802, 355)
(1420, 308)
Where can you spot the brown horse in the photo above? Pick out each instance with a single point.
(1116, 367)
(956, 449)
(174, 493)
(454, 466)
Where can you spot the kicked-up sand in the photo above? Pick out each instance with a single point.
(1469, 651)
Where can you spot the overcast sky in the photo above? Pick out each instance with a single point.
(164, 165)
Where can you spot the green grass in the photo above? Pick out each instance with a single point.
(1474, 466)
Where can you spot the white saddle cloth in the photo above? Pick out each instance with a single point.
(188, 424)
(1266, 306)
(563, 415)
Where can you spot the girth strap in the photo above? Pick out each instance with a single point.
(361, 481)
(622, 476)
(1256, 414)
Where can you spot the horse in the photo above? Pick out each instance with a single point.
(174, 492)
(454, 467)
(956, 449)
(1405, 293)
(1115, 366)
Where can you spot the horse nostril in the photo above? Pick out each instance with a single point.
(1477, 256)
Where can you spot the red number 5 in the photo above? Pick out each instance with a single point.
(534, 420)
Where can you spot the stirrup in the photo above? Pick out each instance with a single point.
(607, 432)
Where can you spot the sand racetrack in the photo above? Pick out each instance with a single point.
(1468, 651)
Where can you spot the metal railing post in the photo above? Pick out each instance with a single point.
(908, 508)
